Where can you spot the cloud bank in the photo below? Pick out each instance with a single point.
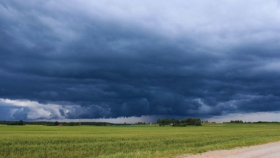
(104, 59)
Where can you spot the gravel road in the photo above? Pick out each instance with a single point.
(270, 150)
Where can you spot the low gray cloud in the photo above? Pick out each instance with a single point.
(109, 60)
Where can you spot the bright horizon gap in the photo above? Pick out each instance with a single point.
(36, 111)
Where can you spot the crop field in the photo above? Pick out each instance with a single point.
(129, 141)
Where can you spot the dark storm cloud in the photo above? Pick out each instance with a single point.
(102, 60)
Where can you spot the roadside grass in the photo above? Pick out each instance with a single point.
(129, 141)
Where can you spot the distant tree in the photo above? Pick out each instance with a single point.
(192, 121)
(56, 123)
(165, 121)
(140, 123)
(188, 121)
(159, 122)
(180, 123)
(20, 122)
(71, 124)
(236, 121)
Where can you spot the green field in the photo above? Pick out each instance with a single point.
(129, 141)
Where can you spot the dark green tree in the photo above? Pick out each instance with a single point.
(165, 121)
(158, 121)
(56, 123)
(20, 122)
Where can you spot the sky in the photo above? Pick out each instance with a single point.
(140, 60)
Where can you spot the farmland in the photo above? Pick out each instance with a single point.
(129, 141)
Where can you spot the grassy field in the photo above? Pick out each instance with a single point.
(129, 141)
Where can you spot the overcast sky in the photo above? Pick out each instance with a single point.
(67, 59)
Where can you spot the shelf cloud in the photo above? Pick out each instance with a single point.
(104, 59)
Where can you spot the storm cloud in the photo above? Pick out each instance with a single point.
(104, 59)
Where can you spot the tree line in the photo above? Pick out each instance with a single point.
(20, 122)
(240, 121)
(55, 123)
(179, 123)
